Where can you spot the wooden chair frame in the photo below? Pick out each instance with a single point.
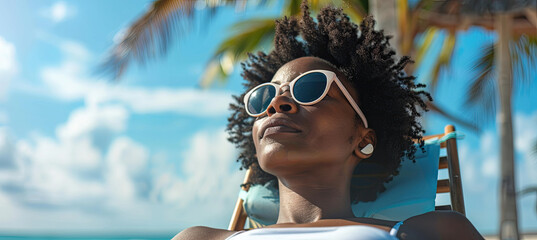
(452, 185)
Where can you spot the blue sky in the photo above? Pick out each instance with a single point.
(79, 153)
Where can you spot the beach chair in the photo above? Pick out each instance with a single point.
(262, 202)
(452, 185)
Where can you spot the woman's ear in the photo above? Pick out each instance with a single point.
(366, 146)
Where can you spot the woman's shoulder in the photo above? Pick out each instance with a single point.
(200, 232)
(439, 224)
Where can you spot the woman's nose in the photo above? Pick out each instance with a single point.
(282, 103)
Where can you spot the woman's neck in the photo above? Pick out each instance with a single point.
(315, 195)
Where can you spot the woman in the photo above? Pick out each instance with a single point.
(336, 98)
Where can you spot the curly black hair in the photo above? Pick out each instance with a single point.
(365, 57)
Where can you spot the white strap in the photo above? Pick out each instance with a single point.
(395, 228)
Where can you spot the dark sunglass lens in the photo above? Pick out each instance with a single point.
(260, 99)
(309, 87)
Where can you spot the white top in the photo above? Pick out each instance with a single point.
(352, 232)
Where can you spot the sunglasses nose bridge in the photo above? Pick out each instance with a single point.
(282, 102)
(284, 87)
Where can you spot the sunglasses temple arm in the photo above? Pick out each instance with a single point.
(351, 101)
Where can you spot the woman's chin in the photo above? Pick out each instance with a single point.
(274, 156)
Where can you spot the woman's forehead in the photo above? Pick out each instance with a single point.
(293, 69)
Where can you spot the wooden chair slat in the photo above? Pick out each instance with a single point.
(442, 186)
(432, 136)
(442, 164)
(442, 207)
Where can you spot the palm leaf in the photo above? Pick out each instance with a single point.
(482, 93)
(148, 36)
(444, 59)
(292, 8)
(524, 57)
(215, 70)
(460, 122)
(428, 39)
(250, 36)
(528, 190)
(402, 17)
(356, 9)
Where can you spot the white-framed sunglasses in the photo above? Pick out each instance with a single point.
(307, 89)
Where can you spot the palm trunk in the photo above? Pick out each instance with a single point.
(508, 208)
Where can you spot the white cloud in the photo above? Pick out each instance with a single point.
(127, 174)
(210, 172)
(58, 12)
(69, 81)
(8, 65)
(65, 171)
(7, 56)
(479, 165)
(118, 183)
(525, 130)
(93, 120)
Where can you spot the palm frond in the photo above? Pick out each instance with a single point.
(443, 61)
(250, 35)
(214, 71)
(148, 36)
(524, 57)
(482, 93)
(402, 17)
(528, 190)
(428, 38)
(356, 9)
(457, 120)
(292, 8)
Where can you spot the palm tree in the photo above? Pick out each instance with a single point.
(510, 19)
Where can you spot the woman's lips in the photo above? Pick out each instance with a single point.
(277, 126)
(279, 129)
